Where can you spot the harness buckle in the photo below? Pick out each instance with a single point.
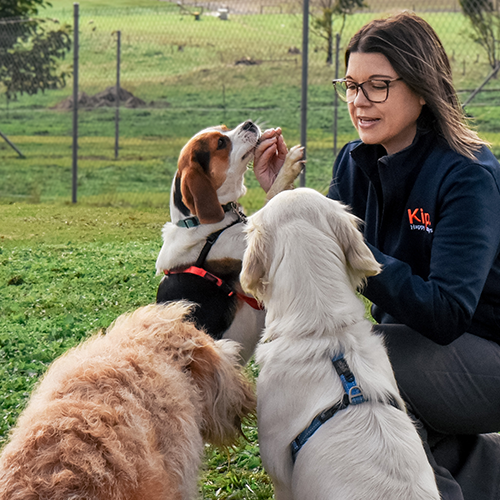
(211, 277)
(355, 399)
(327, 414)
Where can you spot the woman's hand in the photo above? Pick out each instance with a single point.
(270, 155)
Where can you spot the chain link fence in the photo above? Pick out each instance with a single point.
(185, 65)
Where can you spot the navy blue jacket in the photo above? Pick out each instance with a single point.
(432, 219)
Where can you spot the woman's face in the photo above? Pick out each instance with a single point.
(393, 123)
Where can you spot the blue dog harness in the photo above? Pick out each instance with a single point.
(352, 396)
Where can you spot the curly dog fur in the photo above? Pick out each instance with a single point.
(125, 415)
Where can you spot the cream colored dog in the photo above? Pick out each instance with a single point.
(332, 424)
(124, 416)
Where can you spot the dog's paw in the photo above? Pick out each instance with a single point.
(289, 171)
(295, 154)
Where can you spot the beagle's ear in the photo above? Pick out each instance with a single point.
(198, 192)
(253, 273)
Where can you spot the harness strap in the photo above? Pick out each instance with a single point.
(352, 396)
(206, 275)
(250, 301)
(317, 422)
(217, 281)
(209, 243)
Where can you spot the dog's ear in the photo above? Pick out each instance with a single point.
(253, 273)
(227, 396)
(198, 192)
(203, 362)
(357, 253)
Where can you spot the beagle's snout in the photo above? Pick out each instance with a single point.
(250, 127)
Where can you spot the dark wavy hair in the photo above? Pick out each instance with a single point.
(417, 55)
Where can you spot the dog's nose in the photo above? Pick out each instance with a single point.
(249, 126)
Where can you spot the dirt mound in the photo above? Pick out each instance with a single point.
(106, 98)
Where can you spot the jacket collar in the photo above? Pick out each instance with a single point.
(393, 176)
(372, 157)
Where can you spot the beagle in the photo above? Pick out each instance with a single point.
(203, 244)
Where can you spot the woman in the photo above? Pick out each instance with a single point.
(428, 190)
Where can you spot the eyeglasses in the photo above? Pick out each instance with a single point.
(375, 90)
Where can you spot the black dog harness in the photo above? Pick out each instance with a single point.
(352, 396)
(210, 241)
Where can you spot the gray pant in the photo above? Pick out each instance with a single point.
(454, 393)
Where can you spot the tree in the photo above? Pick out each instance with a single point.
(484, 17)
(326, 13)
(30, 48)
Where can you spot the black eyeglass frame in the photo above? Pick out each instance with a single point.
(360, 86)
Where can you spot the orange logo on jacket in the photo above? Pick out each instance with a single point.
(419, 220)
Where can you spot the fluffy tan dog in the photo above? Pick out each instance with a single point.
(125, 415)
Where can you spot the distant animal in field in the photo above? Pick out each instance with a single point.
(124, 416)
(332, 424)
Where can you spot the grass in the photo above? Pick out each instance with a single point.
(146, 163)
(66, 271)
(186, 73)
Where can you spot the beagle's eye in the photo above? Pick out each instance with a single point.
(221, 144)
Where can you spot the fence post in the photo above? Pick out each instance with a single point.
(224, 103)
(75, 101)
(11, 144)
(303, 103)
(336, 97)
(117, 110)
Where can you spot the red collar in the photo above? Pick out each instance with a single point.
(217, 281)
(250, 301)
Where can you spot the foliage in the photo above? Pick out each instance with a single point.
(323, 21)
(22, 8)
(30, 48)
(484, 17)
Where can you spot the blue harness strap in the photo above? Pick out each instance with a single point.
(351, 388)
(352, 396)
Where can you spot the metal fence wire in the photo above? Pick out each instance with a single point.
(185, 65)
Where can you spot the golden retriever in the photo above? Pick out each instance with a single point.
(332, 424)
